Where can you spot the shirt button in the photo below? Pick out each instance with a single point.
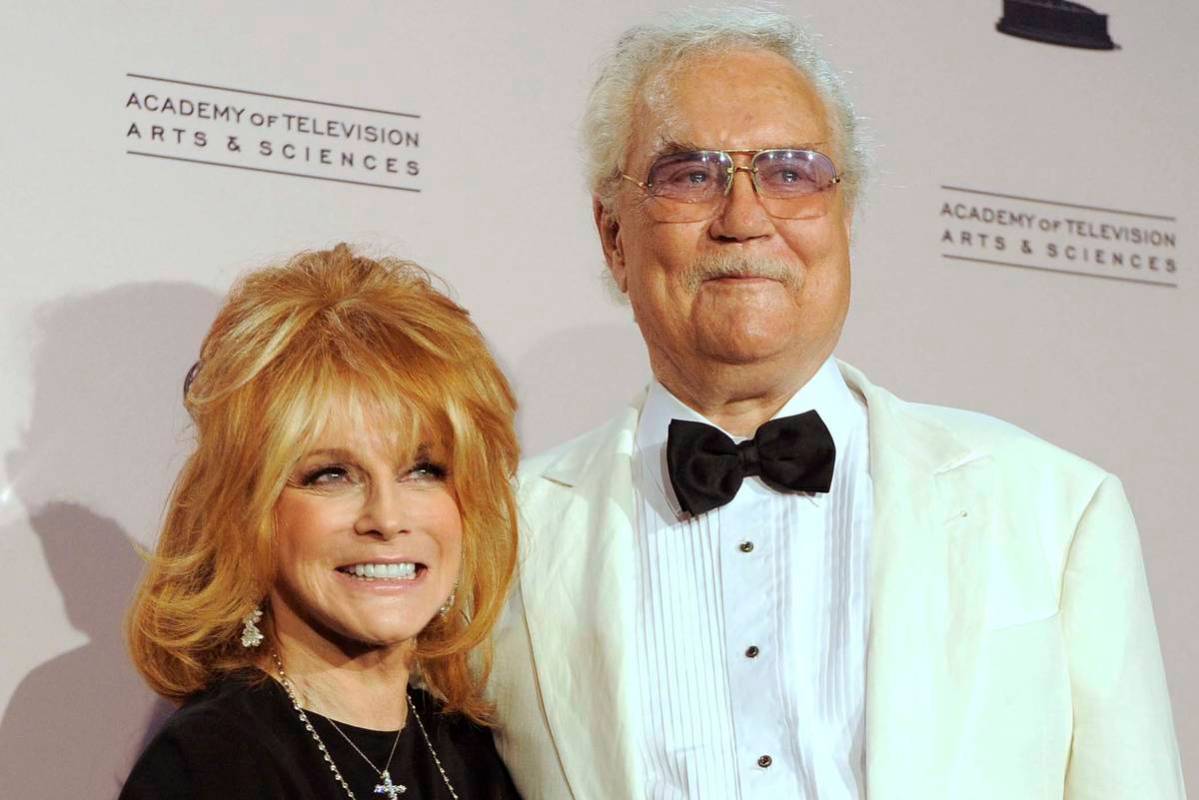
(747, 547)
(765, 761)
(752, 651)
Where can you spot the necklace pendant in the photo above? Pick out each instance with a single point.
(392, 790)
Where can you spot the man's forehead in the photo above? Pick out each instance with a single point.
(751, 99)
(713, 70)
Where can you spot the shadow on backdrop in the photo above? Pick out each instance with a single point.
(576, 379)
(93, 469)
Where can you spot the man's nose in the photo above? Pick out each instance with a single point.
(742, 216)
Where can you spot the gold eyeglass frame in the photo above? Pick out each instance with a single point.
(732, 171)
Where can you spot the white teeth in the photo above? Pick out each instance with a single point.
(391, 571)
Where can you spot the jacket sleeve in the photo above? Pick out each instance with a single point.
(523, 736)
(1124, 746)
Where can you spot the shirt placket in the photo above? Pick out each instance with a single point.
(752, 583)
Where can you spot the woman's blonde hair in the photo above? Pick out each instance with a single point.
(328, 332)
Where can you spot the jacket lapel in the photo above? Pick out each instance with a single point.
(579, 589)
(931, 525)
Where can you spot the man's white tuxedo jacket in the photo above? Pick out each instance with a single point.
(1012, 650)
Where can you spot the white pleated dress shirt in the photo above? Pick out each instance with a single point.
(751, 646)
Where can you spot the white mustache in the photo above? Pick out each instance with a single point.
(729, 265)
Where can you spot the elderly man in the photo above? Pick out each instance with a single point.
(767, 577)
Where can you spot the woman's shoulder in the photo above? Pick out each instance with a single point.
(222, 737)
(233, 712)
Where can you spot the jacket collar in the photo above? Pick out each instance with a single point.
(593, 453)
(898, 436)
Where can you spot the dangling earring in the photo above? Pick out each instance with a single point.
(251, 636)
(449, 602)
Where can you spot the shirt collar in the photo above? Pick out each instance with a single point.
(825, 392)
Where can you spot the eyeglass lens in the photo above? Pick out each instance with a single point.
(792, 184)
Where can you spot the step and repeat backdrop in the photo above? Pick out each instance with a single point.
(1026, 248)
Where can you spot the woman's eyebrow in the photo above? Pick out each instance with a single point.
(331, 452)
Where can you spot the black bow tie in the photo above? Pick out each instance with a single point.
(789, 454)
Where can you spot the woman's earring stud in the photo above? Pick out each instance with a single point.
(449, 603)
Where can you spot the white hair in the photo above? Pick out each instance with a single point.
(647, 51)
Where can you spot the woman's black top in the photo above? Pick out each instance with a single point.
(243, 739)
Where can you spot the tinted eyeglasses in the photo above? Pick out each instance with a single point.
(690, 186)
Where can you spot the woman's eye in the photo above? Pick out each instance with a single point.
(428, 471)
(325, 476)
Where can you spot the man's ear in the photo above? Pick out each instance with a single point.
(608, 226)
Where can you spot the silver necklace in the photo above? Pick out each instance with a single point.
(386, 787)
(392, 790)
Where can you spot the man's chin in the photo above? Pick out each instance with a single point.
(747, 323)
(745, 348)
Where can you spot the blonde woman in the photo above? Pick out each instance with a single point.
(337, 548)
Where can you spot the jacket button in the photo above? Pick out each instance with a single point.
(752, 651)
(747, 547)
(765, 761)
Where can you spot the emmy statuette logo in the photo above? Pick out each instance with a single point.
(1056, 22)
